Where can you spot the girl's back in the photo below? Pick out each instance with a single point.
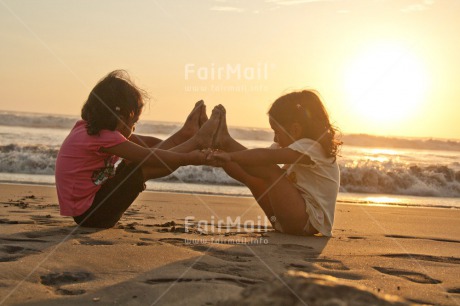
(81, 168)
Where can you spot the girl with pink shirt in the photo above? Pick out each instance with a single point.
(89, 186)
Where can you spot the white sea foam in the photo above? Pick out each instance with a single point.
(365, 176)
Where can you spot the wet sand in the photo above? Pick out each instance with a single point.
(158, 256)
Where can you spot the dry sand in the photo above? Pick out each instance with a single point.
(378, 255)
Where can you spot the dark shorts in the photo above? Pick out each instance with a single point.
(114, 197)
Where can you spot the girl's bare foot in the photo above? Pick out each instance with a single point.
(204, 137)
(222, 135)
(193, 122)
(203, 115)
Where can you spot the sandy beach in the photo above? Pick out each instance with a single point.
(158, 256)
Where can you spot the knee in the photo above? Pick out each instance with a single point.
(272, 174)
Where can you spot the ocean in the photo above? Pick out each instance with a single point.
(375, 170)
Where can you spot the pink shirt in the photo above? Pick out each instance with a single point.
(81, 168)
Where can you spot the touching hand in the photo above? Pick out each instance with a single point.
(218, 158)
(199, 157)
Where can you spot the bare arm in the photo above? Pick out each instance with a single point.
(155, 157)
(153, 142)
(145, 141)
(171, 142)
(263, 157)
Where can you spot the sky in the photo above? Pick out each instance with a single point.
(381, 67)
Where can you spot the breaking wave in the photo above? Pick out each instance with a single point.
(362, 177)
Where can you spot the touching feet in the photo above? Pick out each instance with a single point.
(205, 136)
(194, 121)
(213, 133)
(222, 136)
(203, 115)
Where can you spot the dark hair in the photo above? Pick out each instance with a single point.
(113, 97)
(305, 107)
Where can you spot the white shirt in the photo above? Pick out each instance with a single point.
(318, 183)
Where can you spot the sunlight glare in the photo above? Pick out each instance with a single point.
(386, 83)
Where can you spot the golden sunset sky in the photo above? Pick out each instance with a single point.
(382, 67)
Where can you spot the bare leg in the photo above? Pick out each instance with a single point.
(203, 138)
(203, 116)
(257, 186)
(226, 143)
(276, 195)
(193, 123)
(223, 139)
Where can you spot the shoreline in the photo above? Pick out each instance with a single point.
(340, 200)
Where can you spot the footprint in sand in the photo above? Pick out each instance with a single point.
(242, 282)
(355, 237)
(8, 221)
(89, 241)
(15, 252)
(132, 228)
(131, 212)
(454, 290)
(450, 260)
(414, 277)
(423, 238)
(294, 250)
(208, 249)
(48, 233)
(147, 242)
(329, 264)
(62, 291)
(225, 269)
(253, 270)
(301, 267)
(57, 280)
(64, 278)
(22, 240)
(45, 220)
(312, 269)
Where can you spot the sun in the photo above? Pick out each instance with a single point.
(385, 84)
